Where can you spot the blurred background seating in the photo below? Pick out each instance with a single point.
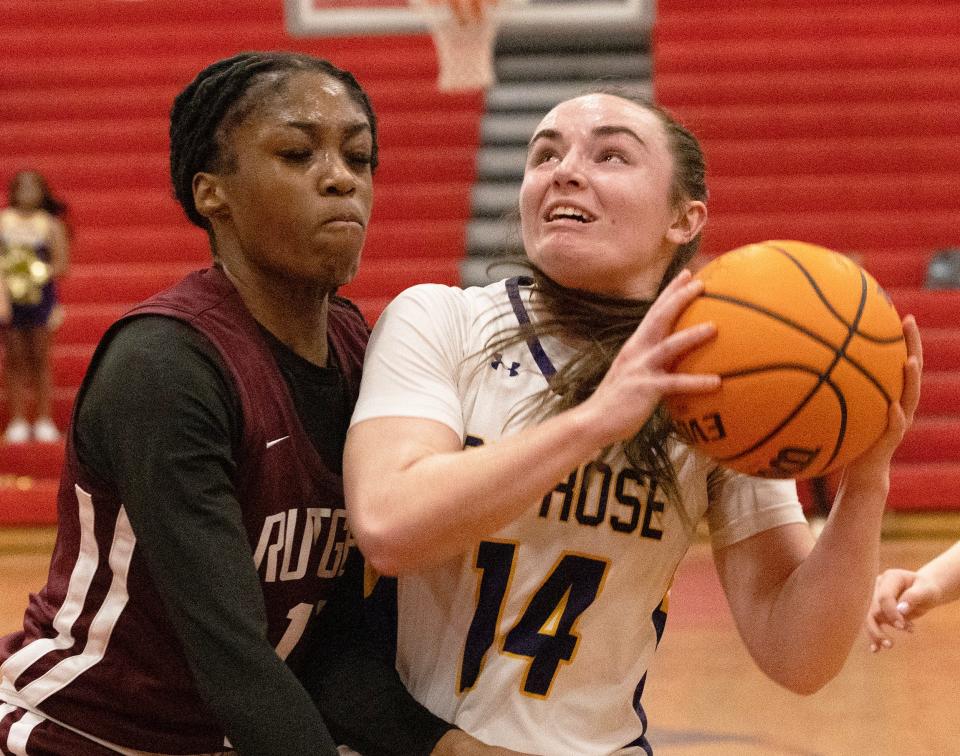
(828, 121)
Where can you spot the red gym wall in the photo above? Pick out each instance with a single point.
(85, 94)
(837, 122)
(832, 121)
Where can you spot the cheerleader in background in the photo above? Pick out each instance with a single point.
(35, 254)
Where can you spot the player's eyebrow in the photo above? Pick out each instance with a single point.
(311, 128)
(544, 134)
(599, 131)
(615, 129)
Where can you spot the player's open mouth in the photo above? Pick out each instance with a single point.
(569, 212)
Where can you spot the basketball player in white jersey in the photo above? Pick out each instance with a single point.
(510, 461)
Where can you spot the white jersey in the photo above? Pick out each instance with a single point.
(540, 638)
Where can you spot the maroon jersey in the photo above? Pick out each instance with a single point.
(97, 651)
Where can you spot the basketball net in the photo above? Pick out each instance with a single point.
(464, 51)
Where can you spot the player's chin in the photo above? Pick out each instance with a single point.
(336, 262)
(321, 275)
(343, 275)
(567, 265)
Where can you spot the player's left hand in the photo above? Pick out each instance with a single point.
(876, 459)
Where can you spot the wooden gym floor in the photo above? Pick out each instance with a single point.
(705, 697)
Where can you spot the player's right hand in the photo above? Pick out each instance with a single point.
(641, 374)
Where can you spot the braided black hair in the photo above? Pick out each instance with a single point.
(208, 108)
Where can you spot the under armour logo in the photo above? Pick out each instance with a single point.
(513, 369)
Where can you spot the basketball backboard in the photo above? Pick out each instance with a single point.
(331, 18)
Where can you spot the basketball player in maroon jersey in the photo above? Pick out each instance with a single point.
(201, 521)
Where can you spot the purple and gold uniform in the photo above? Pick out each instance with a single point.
(31, 232)
(540, 638)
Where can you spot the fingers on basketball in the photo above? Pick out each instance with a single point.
(811, 353)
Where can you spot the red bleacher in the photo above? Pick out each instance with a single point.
(84, 98)
(834, 121)
(837, 122)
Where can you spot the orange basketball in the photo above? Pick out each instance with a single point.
(810, 352)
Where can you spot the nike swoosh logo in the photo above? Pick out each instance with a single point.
(276, 441)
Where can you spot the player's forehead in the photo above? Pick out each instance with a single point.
(300, 96)
(597, 113)
(310, 102)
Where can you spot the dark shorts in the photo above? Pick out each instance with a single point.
(35, 315)
(23, 732)
(31, 734)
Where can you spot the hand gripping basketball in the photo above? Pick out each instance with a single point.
(811, 353)
(899, 415)
(640, 376)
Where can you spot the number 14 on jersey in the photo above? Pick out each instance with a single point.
(544, 636)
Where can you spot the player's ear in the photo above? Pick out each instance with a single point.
(209, 196)
(688, 222)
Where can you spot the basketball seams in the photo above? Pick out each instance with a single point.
(822, 380)
(801, 329)
(842, 431)
(879, 341)
(779, 344)
(826, 302)
(852, 327)
(823, 377)
(841, 354)
(813, 284)
(799, 367)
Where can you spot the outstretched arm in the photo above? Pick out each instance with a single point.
(901, 596)
(416, 497)
(798, 604)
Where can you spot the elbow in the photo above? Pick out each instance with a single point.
(379, 544)
(804, 687)
(380, 557)
(805, 679)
